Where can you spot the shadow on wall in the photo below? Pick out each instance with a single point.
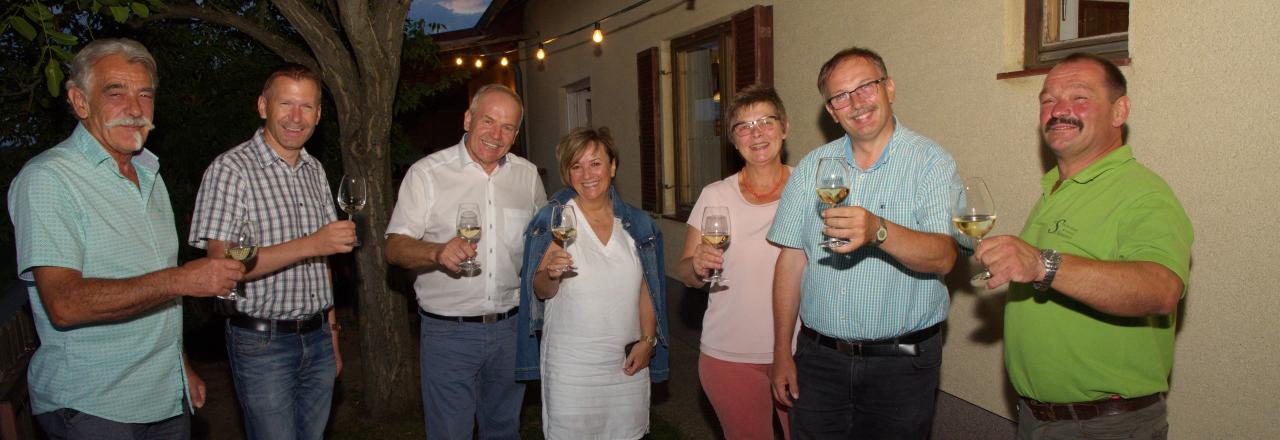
(989, 311)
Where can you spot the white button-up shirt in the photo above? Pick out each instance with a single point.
(427, 209)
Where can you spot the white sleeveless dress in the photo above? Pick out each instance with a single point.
(585, 394)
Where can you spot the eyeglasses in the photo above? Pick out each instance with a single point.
(767, 123)
(865, 91)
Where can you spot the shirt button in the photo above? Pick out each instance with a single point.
(862, 176)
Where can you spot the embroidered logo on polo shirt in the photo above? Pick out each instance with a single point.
(1061, 227)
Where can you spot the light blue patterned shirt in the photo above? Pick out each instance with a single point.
(866, 294)
(72, 208)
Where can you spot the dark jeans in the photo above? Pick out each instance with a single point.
(469, 376)
(284, 381)
(864, 397)
(1146, 424)
(69, 424)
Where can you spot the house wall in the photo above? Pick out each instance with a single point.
(1204, 117)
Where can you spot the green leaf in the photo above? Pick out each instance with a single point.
(140, 9)
(53, 77)
(121, 13)
(22, 27)
(4, 26)
(61, 53)
(63, 39)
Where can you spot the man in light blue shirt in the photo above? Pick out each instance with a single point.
(97, 246)
(869, 350)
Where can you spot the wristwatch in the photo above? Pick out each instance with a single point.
(882, 233)
(652, 340)
(1051, 260)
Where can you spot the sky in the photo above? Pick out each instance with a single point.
(454, 14)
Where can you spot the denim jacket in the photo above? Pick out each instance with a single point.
(537, 238)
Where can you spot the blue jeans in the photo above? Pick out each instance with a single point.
(865, 397)
(69, 424)
(284, 381)
(468, 375)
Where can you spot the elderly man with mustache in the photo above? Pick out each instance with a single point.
(1096, 275)
(98, 249)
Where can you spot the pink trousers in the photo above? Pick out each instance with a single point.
(742, 397)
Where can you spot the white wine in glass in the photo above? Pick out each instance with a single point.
(242, 247)
(564, 228)
(832, 185)
(469, 231)
(352, 196)
(715, 233)
(974, 214)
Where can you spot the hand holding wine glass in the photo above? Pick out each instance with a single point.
(469, 231)
(832, 185)
(974, 214)
(715, 233)
(242, 247)
(352, 195)
(564, 228)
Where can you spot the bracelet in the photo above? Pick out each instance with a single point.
(652, 340)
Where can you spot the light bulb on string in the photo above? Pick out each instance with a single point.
(597, 35)
(479, 62)
(542, 53)
(503, 62)
(458, 61)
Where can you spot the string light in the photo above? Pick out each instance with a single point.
(458, 61)
(503, 62)
(479, 62)
(542, 53)
(597, 35)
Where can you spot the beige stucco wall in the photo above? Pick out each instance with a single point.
(1204, 117)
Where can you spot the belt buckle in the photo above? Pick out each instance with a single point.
(489, 318)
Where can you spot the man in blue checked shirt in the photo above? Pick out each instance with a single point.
(867, 359)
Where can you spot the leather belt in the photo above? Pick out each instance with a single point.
(305, 325)
(905, 345)
(1052, 412)
(484, 319)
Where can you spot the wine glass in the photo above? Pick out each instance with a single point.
(974, 214)
(715, 233)
(833, 187)
(242, 247)
(469, 231)
(351, 198)
(564, 227)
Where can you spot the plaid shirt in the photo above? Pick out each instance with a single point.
(250, 181)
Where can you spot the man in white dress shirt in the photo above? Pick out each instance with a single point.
(468, 319)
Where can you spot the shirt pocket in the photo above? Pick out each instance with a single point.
(514, 222)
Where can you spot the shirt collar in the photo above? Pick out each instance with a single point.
(464, 156)
(1111, 161)
(267, 156)
(884, 155)
(95, 153)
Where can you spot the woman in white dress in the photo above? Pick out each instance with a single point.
(597, 302)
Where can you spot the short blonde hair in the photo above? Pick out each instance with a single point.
(575, 143)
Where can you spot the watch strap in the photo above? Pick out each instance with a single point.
(1051, 260)
(882, 234)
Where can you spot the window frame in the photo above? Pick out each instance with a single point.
(720, 33)
(1039, 54)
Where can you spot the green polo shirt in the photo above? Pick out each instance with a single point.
(72, 208)
(1060, 350)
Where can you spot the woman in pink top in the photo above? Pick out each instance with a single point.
(737, 330)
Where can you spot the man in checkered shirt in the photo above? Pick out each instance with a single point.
(283, 343)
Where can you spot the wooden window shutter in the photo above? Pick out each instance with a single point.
(753, 47)
(650, 130)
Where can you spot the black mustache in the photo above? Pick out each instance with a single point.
(1056, 120)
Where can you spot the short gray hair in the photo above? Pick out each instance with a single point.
(496, 88)
(96, 50)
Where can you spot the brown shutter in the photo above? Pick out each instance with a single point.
(650, 130)
(753, 47)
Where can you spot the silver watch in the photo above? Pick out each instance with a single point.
(1051, 260)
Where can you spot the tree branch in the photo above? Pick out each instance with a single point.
(213, 14)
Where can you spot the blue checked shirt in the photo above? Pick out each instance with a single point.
(284, 203)
(72, 208)
(866, 294)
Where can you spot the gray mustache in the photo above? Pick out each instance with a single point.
(131, 122)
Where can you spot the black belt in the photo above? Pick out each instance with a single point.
(305, 325)
(485, 319)
(1051, 412)
(905, 345)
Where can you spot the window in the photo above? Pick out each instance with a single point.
(577, 104)
(1057, 28)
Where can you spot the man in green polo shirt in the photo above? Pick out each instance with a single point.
(97, 247)
(1096, 274)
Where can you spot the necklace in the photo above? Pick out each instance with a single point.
(782, 178)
